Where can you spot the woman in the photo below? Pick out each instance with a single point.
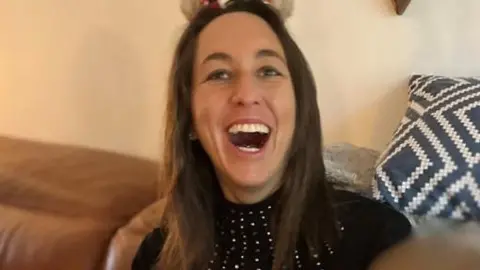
(244, 180)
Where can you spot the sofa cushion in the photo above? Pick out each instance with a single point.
(61, 205)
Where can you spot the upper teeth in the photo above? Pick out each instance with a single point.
(248, 128)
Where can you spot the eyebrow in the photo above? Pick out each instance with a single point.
(270, 53)
(217, 56)
(260, 54)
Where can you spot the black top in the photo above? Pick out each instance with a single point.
(246, 242)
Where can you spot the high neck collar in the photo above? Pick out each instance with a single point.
(267, 203)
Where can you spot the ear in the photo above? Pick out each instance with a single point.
(190, 7)
(223, 3)
(284, 7)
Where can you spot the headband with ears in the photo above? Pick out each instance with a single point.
(191, 7)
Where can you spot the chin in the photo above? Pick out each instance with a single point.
(249, 180)
(252, 183)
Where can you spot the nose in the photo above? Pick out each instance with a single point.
(245, 92)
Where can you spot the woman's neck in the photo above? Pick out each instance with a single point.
(248, 195)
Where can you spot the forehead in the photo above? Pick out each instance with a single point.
(236, 34)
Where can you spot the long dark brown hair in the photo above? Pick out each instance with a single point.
(304, 215)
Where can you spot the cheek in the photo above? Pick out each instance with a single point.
(199, 111)
(286, 106)
(204, 113)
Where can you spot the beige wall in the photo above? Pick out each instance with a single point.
(93, 72)
(449, 31)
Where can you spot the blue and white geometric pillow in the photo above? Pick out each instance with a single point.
(431, 168)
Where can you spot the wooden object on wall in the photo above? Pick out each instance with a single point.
(401, 6)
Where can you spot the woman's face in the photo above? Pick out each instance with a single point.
(243, 103)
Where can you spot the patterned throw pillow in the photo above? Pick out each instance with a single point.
(431, 168)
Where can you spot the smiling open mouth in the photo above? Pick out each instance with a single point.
(249, 137)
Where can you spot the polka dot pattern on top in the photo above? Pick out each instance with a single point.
(245, 240)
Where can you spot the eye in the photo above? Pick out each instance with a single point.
(219, 75)
(269, 71)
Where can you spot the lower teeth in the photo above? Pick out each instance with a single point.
(248, 149)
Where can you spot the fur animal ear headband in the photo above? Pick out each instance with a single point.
(191, 7)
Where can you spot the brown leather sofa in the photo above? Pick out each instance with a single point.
(72, 208)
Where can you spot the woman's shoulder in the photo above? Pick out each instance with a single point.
(152, 243)
(369, 227)
(355, 209)
(149, 250)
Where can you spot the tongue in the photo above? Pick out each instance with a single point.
(249, 139)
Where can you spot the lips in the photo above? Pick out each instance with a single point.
(249, 137)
